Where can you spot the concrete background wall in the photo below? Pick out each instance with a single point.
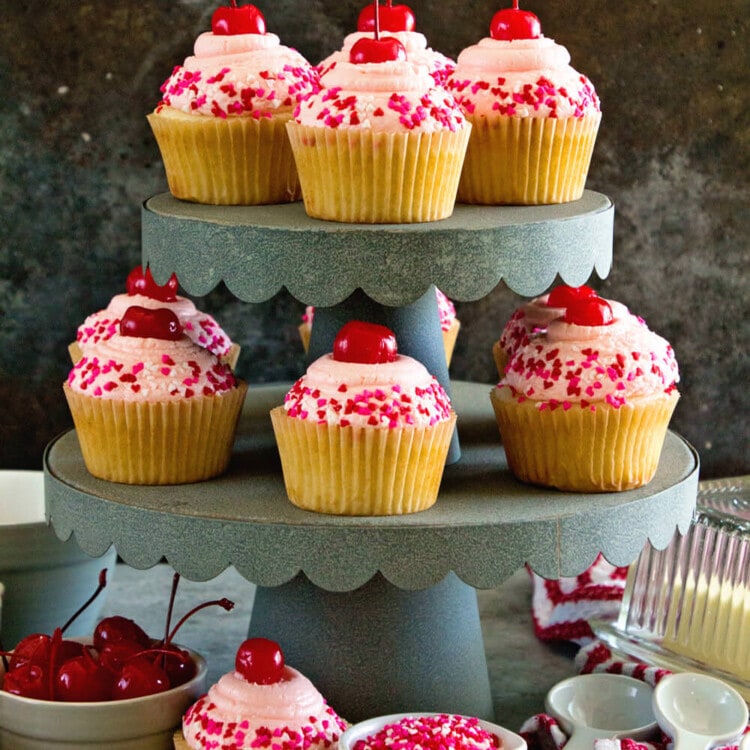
(77, 159)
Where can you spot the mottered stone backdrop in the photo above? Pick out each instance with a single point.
(77, 159)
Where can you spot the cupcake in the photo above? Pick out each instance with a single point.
(380, 142)
(535, 118)
(449, 324)
(152, 407)
(262, 703)
(397, 21)
(143, 291)
(533, 317)
(365, 431)
(220, 125)
(585, 405)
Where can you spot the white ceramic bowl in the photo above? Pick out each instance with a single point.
(146, 723)
(368, 727)
(46, 580)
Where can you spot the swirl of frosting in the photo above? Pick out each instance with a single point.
(390, 394)
(239, 75)
(438, 65)
(521, 78)
(200, 327)
(131, 368)
(573, 364)
(385, 97)
(239, 714)
(446, 310)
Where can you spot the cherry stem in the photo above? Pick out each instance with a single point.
(515, 4)
(377, 19)
(54, 647)
(172, 595)
(224, 603)
(233, 3)
(99, 588)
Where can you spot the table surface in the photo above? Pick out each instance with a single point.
(521, 668)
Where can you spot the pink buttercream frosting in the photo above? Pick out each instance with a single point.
(236, 714)
(390, 394)
(132, 368)
(200, 327)
(394, 96)
(574, 364)
(438, 65)
(446, 310)
(521, 78)
(241, 74)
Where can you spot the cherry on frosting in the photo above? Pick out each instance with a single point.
(260, 660)
(513, 23)
(392, 17)
(142, 282)
(144, 323)
(370, 50)
(243, 19)
(589, 311)
(365, 343)
(562, 296)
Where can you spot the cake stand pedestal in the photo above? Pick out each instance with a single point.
(380, 612)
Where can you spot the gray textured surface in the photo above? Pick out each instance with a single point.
(484, 526)
(77, 159)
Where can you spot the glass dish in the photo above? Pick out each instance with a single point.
(687, 607)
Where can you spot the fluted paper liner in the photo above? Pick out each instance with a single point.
(527, 160)
(164, 442)
(357, 176)
(576, 449)
(180, 743)
(501, 358)
(361, 471)
(449, 340)
(232, 161)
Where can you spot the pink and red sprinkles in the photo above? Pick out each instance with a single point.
(433, 732)
(542, 95)
(387, 406)
(217, 734)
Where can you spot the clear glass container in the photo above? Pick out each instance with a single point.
(687, 607)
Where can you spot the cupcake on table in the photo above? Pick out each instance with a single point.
(534, 117)
(399, 22)
(449, 324)
(584, 404)
(143, 291)
(366, 430)
(262, 703)
(220, 125)
(380, 142)
(152, 407)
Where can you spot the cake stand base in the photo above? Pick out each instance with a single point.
(379, 649)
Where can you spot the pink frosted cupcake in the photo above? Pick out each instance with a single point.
(152, 407)
(262, 703)
(365, 431)
(380, 142)
(143, 291)
(534, 117)
(221, 122)
(585, 404)
(396, 21)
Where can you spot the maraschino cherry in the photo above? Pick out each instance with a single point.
(562, 296)
(392, 17)
(142, 322)
(260, 660)
(365, 343)
(589, 311)
(376, 49)
(142, 282)
(513, 23)
(243, 19)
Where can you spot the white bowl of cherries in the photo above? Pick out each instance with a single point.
(118, 690)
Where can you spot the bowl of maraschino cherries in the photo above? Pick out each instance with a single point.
(119, 689)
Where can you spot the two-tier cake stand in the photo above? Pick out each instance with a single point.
(381, 613)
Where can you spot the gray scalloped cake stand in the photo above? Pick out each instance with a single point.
(381, 613)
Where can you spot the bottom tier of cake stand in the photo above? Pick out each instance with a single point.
(381, 613)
